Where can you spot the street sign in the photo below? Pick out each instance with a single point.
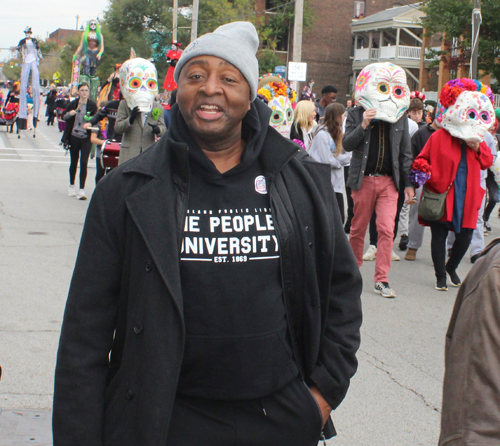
(281, 70)
(297, 71)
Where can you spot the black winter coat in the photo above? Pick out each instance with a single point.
(127, 277)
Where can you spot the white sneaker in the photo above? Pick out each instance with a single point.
(71, 191)
(370, 254)
(81, 194)
(395, 257)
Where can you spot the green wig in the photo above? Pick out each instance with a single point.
(86, 36)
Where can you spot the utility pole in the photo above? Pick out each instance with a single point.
(77, 17)
(297, 31)
(476, 24)
(194, 22)
(297, 36)
(174, 20)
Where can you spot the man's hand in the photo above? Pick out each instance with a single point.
(368, 115)
(72, 112)
(156, 129)
(87, 125)
(133, 114)
(323, 405)
(409, 194)
(474, 146)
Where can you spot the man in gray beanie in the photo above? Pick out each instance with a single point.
(223, 306)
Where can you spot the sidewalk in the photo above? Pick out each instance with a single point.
(25, 427)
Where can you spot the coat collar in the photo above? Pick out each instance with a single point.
(169, 155)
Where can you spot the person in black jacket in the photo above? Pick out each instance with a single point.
(224, 306)
(77, 138)
(50, 102)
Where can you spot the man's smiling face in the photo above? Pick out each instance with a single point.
(213, 97)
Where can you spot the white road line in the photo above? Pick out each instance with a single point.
(34, 161)
(33, 150)
(39, 156)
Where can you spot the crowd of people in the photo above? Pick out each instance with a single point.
(225, 293)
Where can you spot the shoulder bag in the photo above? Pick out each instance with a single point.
(431, 206)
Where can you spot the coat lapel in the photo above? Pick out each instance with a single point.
(153, 210)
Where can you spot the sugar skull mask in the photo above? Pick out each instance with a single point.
(139, 83)
(282, 115)
(469, 118)
(383, 86)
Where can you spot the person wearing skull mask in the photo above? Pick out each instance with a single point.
(29, 51)
(457, 154)
(225, 302)
(377, 134)
(140, 118)
(92, 45)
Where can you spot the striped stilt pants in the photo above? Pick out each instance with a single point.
(35, 83)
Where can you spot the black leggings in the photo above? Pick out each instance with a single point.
(79, 146)
(350, 202)
(439, 233)
(100, 171)
(492, 187)
(340, 201)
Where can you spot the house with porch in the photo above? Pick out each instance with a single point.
(394, 35)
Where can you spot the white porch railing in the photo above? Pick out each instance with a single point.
(409, 52)
(497, 100)
(388, 52)
(361, 54)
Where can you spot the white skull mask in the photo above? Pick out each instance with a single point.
(139, 83)
(282, 115)
(383, 86)
(469, 118)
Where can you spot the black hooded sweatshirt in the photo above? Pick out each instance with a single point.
(236, 330)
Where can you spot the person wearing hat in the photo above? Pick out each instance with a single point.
(173, 56)
(224, 300)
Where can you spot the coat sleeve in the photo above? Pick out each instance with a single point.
(354, 135)
(87, 331)
(484, 156)
(405, 155)
(122, 123)
(161, 123)
(337, 361)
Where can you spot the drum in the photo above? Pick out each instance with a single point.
(110, 154)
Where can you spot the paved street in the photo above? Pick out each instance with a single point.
(394, 398)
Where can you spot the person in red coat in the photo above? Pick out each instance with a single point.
(456, 164)
(173, 55)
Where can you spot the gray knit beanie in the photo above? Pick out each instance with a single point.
(236, 42)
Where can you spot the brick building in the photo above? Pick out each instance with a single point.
(61, 36)
(328, 45)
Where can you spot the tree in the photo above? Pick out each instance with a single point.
(452, 18)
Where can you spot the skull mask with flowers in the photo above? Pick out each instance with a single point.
(280, 97)
(383, 86)
(282, 115)
(465, 109)
(139, 83)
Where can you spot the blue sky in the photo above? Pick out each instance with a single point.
(43, 17)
